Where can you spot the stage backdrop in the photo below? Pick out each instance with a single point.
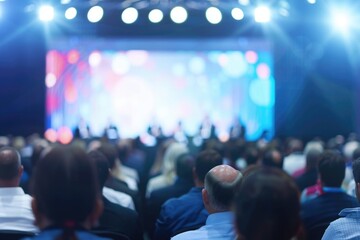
(136, 83)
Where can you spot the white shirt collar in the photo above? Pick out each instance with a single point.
(11, 191)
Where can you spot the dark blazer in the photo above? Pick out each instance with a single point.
(121, 186)
(319, 212)
(159, 196)
(116, 218)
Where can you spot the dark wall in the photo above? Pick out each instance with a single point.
(22, 69)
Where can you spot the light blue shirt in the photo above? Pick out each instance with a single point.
(219, 226)
(346, 227)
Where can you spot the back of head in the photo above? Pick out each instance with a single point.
(184, 166)
(171, 154)
(295, 145)
(267, 206)
(65, 187)
(356, 170)
(251, 155)
(221, 183)
(312, 158)
(110, 152)
(331, 169)
(273, 158)
(10, 163)
(205, 161)
(356, 154)
(101, 166)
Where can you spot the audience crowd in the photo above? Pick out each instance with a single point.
(123, 189)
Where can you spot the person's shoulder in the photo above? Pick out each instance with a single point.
(187, 235)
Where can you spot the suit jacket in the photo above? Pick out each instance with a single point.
(319, 212)
(121, 186)
(116, 218)
(181, 214)
(159, 196)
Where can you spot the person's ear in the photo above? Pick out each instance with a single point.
(205, 197)
(21, 170)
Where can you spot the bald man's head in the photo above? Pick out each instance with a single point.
(10, 164)
(220, 186)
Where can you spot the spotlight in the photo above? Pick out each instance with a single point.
(262, 14)
(244, 2)
(213, 15)
(70, 13)
(129, 15)
(311, 1)
(46, 13)
(155, 16)
(178, 15)
(95, 14)
(341, 21)
(237, 14)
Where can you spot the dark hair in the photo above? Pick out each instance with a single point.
(184, 166)
(251, 155)
(273, 158)
(65, 188)
(356, 170)
(331, 168)
(205, 161)
(356, 153)
(267, 206)
(110, 153)
(312, 159)
(101, 166)
(10, 163)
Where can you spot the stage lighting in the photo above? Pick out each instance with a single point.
(311, 1)
(70, 13)
(341, 21)
(155, 16)
(213, 15)
(178, 15)
(46, 13)
(262, 14)
(129, 15)
(237, 14)
(95, 14)
(244, 2)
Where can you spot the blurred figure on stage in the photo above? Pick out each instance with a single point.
(237, 129)
(111, 132)
(207, 128)
(82, 130)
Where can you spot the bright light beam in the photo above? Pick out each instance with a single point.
(262, 14)
(341, 21)
(46, 13)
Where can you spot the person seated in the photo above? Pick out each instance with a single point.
(310, 175)
(115, 218)
(187, 212)
(273, 158)
(267, 206)
(346, 227)
(221, 183)
(15, 205)
(317, 213)
(117, 184)
(167, 176)
(111, 153)
(66, 198)
(183, 183)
